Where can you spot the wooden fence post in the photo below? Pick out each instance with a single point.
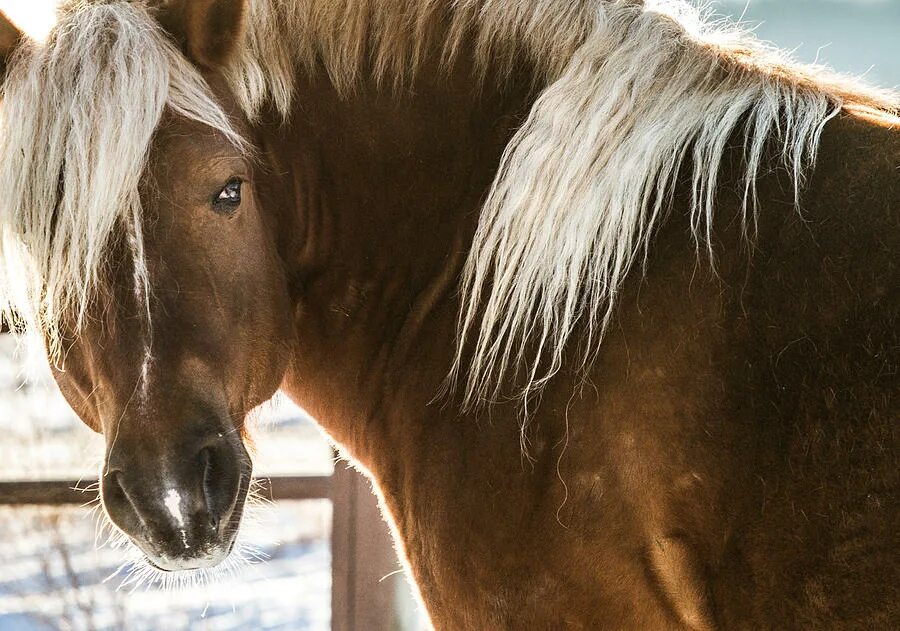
(367, 593)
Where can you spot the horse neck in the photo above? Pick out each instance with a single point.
(385, 188)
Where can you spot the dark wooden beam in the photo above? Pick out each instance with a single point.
(298, 488)
(366, 581)
(48, 492)
(72, 492)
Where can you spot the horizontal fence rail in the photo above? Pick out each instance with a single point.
(74, 492)
(362, 553)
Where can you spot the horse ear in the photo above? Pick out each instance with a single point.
(209, 31)
(10, 35)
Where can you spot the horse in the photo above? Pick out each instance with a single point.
(601, 294)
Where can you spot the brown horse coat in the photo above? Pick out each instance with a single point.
(731, 460)
(727, 461)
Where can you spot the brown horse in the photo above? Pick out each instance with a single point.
(603, 298)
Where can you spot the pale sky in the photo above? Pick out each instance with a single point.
(35, 17)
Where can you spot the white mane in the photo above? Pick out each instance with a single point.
(76, 120)
(582, 185)
(632, 93)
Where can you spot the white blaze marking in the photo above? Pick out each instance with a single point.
(173, 503)
(145, 373)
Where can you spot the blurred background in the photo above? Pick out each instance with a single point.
(56, 576)
(861, 37)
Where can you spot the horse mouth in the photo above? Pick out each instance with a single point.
(202, 565)
(214, 552)
(194, 564)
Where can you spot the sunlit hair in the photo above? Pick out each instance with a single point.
(652, 91)
(76, 120)
(632, 93)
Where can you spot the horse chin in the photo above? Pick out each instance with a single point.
(186, 565)
(210, 558)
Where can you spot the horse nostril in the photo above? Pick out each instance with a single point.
(116, 489)
(221, 481)
(120, 506)
(208, 464)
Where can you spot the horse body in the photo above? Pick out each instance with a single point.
(725, 461)
(693, 479)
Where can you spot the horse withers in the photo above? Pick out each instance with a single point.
(602, 297)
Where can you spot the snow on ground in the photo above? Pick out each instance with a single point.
(54, 577)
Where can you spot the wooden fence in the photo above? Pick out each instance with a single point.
(362, 555)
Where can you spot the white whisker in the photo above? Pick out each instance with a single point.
(135, 573)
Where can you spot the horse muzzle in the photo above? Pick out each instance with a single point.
(181, 506)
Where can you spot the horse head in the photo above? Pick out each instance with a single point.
(146, 259)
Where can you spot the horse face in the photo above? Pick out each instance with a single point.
(168, 375)
(171, 391)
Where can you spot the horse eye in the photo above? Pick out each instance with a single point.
(229, 198)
